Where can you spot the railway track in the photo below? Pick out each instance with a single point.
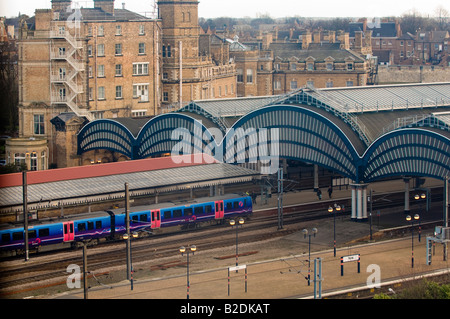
(261, 226)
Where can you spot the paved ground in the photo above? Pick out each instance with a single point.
(277, 268)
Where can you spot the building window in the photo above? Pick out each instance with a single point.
(19, 159)
(141, 48)
(101, 31)
(33, 161)
(164, 51)
(249, 76)
(169, 51)
(310, 83)
(329, 84)
(62, 52)
(293, 85)
(329, 66)
(277, 85)
(39, 124)
(349, 66)
(240, 75)
(89, 49)
(140, 68)
(43, 157)
(118, 30)
(101, 92)
(118, 70)
(166, 96)
(142, 29)
(101, 50)
(293, 66)
(119, 92)
(91, 94)
(138, 113)
(118, 49)
(349, 83)
(140, 91)
(101, 71)
(310, 66)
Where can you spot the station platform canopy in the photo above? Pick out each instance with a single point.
(81, 185)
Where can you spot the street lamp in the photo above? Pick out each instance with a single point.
(128, 237)
(417, 197)
(331, 210)
(306, 233)
(410, 219)
(183, 250)
(241, 222)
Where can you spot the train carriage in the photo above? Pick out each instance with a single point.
(110, 224)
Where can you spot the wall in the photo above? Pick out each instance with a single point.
(413, 74)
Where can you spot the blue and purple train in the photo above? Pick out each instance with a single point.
(111, 224)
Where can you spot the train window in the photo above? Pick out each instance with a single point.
(208, 209)
(32, 233)
(235, 205)
(188, 211)
(134, 218)
(98, 224)
(45, 232)
(143, 217)
(6, 238)
(167, 214)
(198, 210)
(81, 227)
(229, 206)
(17, 235)
(177, 213)
(90, 225)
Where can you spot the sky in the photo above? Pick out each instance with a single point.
(254, 8)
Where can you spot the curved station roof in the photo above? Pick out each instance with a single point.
(364, 133)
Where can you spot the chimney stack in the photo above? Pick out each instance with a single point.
(61, 5)
(106, 5)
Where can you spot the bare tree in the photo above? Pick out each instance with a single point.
(9, 88)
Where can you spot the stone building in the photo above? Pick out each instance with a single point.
(94, 63)
(316, 59)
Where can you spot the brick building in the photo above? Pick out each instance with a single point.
(78, 65)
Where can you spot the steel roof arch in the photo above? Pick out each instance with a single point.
(407, 152)
(346, 148)
(88, 131)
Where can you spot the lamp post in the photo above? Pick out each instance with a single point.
(306, 233)
(333, 210)
(241, 222)
(417, 197)
(183, 250)
(410, 219)
(127, 237)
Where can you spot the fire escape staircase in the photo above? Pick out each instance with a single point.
(65, 76)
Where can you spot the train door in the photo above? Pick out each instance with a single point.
(68, 230)
(219, 210)
(156, 219)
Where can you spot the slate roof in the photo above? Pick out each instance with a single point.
(319, 51)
